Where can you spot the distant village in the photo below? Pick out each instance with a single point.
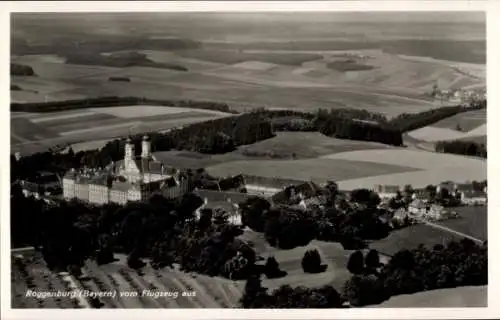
(138, 178)
(460, 96)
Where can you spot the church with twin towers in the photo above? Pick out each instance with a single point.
(134, 178)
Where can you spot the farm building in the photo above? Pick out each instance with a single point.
(228, 202)
(473, 197)
(131, 179)
(386, 192)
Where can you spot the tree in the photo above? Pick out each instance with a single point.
(372, 259)
(355, 264)
(272, 268)
(311, 262)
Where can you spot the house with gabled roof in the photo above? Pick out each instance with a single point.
(386, 192)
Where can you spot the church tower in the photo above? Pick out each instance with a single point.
(146, 147)
(129, 154)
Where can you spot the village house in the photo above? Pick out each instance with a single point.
(474, 197)
(386, 192)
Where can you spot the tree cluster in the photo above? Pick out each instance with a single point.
(462, 263)
(113, 101)
(463, 147)
(288, 227)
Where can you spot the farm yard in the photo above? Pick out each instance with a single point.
(35, 132)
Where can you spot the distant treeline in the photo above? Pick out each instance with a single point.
(113, 101)
(119, 60)
(463, 147)
(65, 46)
(21, 70)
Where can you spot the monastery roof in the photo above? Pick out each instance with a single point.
(150, 166)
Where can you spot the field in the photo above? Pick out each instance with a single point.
(463, 297)
(394, 85)
(33, 132)
(434, 167)
(464, 126)
(318, 170)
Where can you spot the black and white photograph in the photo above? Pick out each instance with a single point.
(248, 160)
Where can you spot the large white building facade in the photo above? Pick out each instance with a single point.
(131, 179)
